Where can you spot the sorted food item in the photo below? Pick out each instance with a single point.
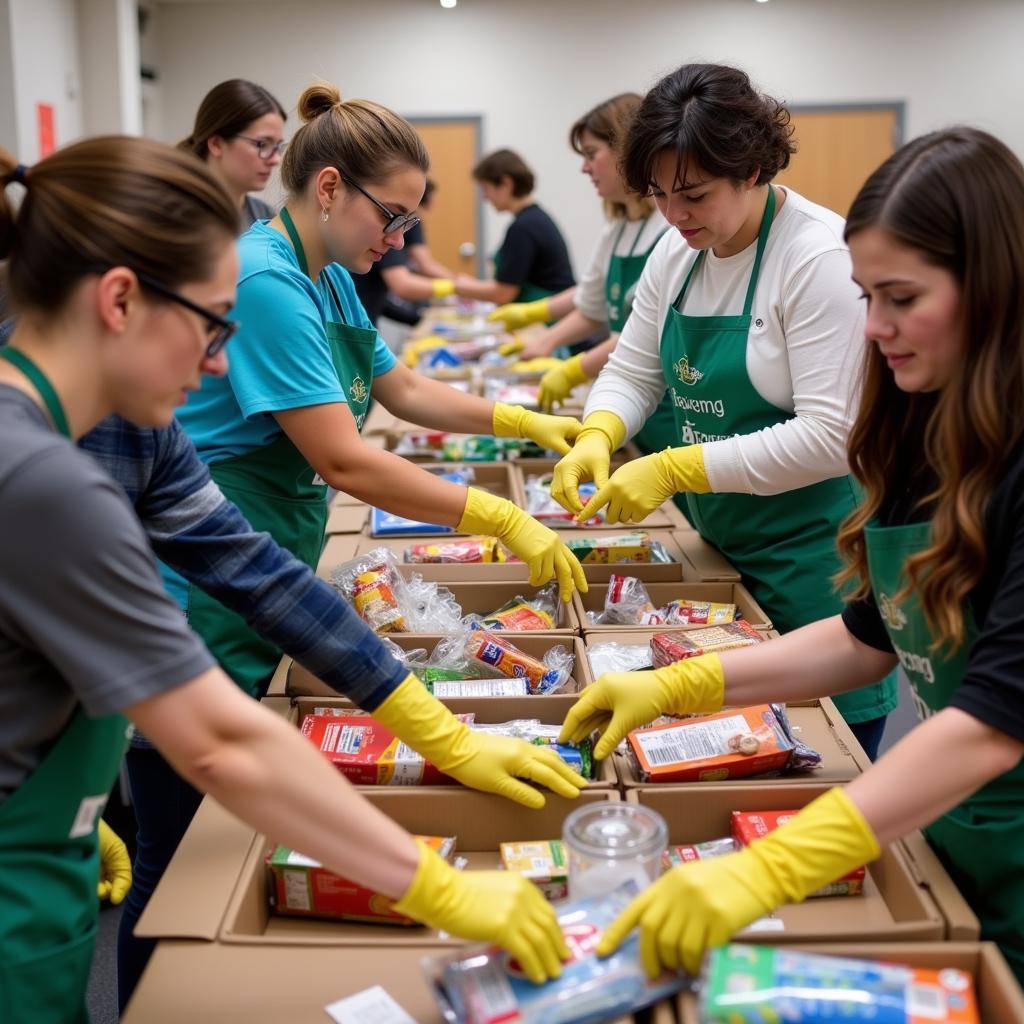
(303, 887)
(668, 648)
(623, 547)
(627, 603)
(457, 550)
(523, 614)
(483, 985)
(431, 675)
(616, 657)
(578, 756)
(498, 653)
(373, 597)
(697, 613)
(546, 510)
(752, 984)
(481, 688)
(750, 825)
(674, 856)
(511, 391)
(448, 447)
(542, 862)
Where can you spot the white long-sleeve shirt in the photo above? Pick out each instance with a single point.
(804, 349)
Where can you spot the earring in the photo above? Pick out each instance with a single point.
(324, 215)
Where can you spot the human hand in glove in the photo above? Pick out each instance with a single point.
(489, 906)
(442, 287)
(589, 459)
(620, 702)
(556, 433)
(540, 548)
(701, 905)
(115, 866)
(556, 384)
(636, 489)
(412, 352)
(494, 764)
(516, 315)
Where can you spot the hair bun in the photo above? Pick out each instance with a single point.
(317, 100)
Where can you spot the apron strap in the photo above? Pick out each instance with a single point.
(41, 384)
(300, 255)
(762, 241)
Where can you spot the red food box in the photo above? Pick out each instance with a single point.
(668, 648)
(750, 825)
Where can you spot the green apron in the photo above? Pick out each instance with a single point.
(49, 861)
(279, 492)
(619, 286)
(782, 544)
(981, 841)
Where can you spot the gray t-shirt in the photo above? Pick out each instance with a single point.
(84, 618)
(254, 209)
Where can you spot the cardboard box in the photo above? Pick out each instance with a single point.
(703, 563)
(347, 518)
(341, 498)
(340, 547)
(279, 680)
(892, 906)
(1000, 999)
(661, 593)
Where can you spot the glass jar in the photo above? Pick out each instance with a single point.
(608, 844)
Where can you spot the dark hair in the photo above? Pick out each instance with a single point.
(428, 190)
(711, 116)
(110, 201)
(956, 197)
(359, 137)
(228, 109)
(505, 163)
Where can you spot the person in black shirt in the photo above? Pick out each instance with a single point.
(934, 560)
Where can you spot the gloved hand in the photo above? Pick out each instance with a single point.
(489, 906)
(442, 287)
(115, 866)
(554, 432)
(589, 459)
(639, 487)
(540, 548)
(620, 702)
(556, 384)
(701, 905)
(541, 364)
(494, 764)
(511, 347)
(516, 315)
(412, 352)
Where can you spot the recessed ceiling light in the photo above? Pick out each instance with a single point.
(449, 4)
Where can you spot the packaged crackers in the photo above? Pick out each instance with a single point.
(543, 862)
(460, 551)
(668, 648)
(626, 547)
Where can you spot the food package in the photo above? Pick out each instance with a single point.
(578, 756)
(753, 984)
(487, 448)
(543, 862)
(674, 856)
(522, 614)
(627, 603)
(616, 657)
(480, 688)
(303, 887)
(750, 825)
(668, 648)
(512, 389)
(731, 744)
(623, 547)
(546, 510)
(494, 654)
(461, 550)
(682, 612)
(390, 524)
(372, 593)
(484, 985)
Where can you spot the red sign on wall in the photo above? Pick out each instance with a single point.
(47, 135)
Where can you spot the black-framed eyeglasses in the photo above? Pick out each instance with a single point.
(396, 221)
(265, 149)
(220, 330)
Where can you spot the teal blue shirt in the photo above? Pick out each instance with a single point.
(280, 358)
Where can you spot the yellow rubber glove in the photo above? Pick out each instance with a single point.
(442, 287)
(539, 364)
(553, 432)
(494, 764)
(115, 866)
(556, 384)
(512, 346)
(516, 315)
(489, 906)
(620, 702)
(701, 905)
(638, 488)
(412, 352)
(540, 548)
(589, 459)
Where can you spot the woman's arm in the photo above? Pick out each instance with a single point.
(593, 362)
(572, 327)
(432, 403)
(485, 291)
(424, 262)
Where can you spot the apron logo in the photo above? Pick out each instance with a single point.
(358, 390)
(890, 612)
(615, 291)
(89, 810)
(688, 374)
(916, 663)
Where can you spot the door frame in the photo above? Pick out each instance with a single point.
(898, 107)
(477, 120)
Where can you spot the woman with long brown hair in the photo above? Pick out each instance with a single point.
(935, 558)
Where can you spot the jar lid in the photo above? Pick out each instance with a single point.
(615, 830)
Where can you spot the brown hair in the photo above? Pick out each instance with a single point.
(505, 163)
(228, 109)
(362, 139)
(710, 115)
(109, 201)
(957, 198)
(609, 122)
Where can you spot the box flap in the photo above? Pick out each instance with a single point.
(279, 680)
(347, 518)
(961, 922)
(702, 561)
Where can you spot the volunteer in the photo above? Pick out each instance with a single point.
(239, 133)
(121, 262)
(306, 362)
(746, 315)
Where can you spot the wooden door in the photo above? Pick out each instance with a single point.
(837, 149)
(452, 224)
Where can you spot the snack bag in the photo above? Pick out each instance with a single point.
(667, 648)
(457, 550)
(546, 510)
(373, 597)
(627, 603)
(523, 614)
(697, 613)
(495, 652)
(615, 657)
(544, 863)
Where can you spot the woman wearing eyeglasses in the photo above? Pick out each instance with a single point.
(239, 132)
(286, 417)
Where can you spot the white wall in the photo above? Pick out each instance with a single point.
(532, 66)
(109, 54)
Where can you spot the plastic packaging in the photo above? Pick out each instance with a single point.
(480, 648)
(682, 612)
(546, 510)
(668, 648)
(479, 687)
(522, 614)
(624, 547)
(674, 856)
(448, 447)
(483, 985)
(627, 603)
(616, 657)
(578, 756)
(461, 550)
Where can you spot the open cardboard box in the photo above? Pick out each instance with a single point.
(703, 562)
(340, 547)
(1000, 1000)
(662, 593)
(893, 905)
(347, 519)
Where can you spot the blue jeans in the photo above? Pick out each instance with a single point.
(869, 734)
(164, 805)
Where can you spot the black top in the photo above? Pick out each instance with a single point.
(371, 287)
(993, 686)
(254, 209)
(534, 253)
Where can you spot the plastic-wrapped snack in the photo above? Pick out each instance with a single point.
(627, 603)
(543, 862)
(616, 657)
(667, 648)
(697, 613)
(430, 607)
(803, 756)
(546, 510)
(483, 985)
(623, 547)
(522, 614)
(373, 597)
(674, 856)
(513, 389)
(496, 652)
(751, 984)
(660, 554)
(456, 550)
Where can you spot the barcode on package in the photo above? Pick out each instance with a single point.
(927, 1001)
(343, 739)
(691, 742)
